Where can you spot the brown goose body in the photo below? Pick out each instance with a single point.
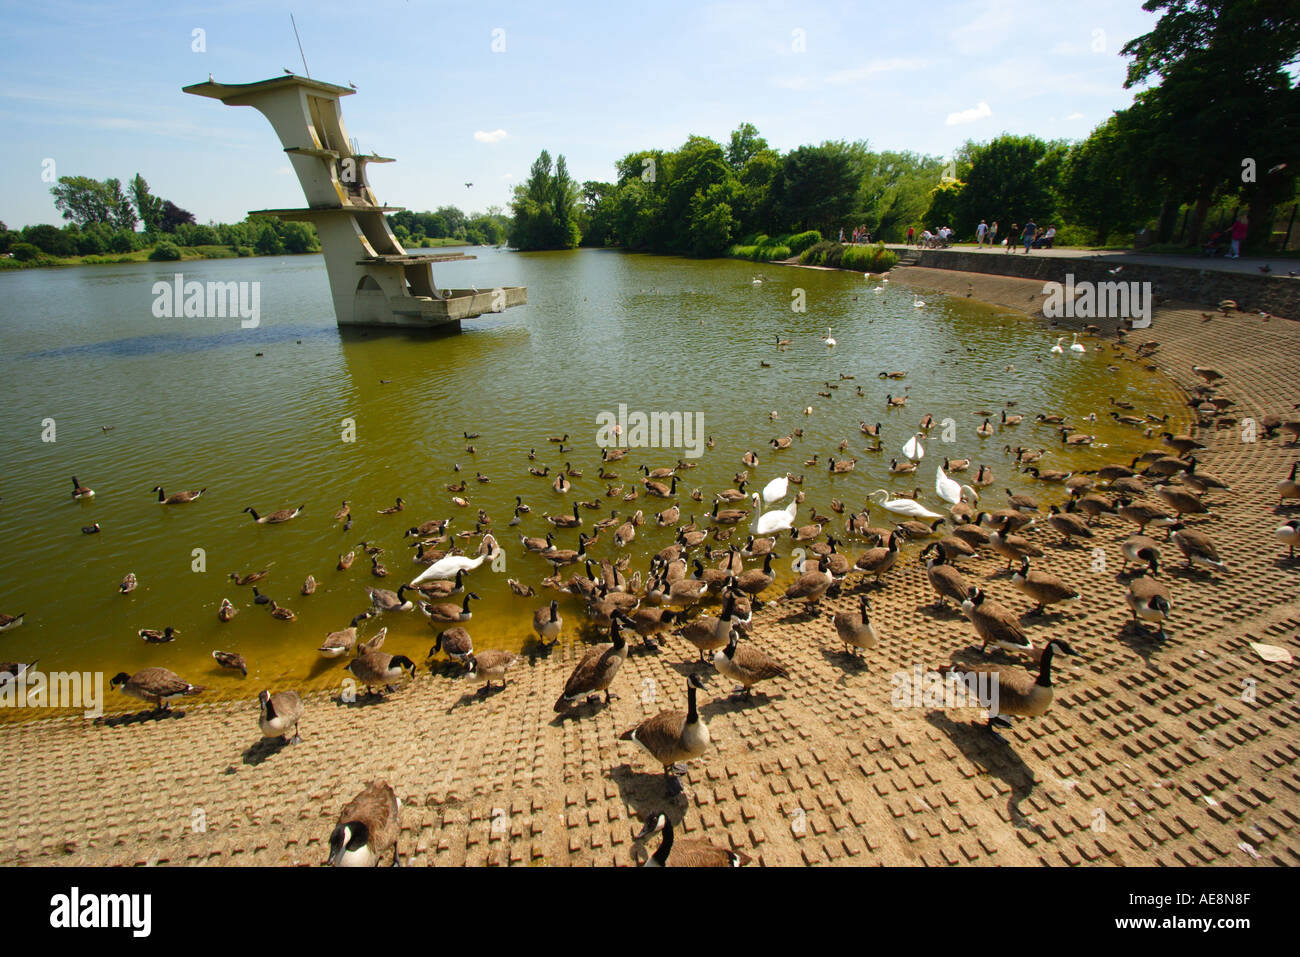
(277, 517)
(948, 583)
(367, 828)
(380, 668)
(1043, 587)
(746, 664)
(995, 624)
(596, 671)
(155, 685)
(492, 665)
(687, 852)
(280, 714)
(671, 736)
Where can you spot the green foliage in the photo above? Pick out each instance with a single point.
(147, 205)
(165, 252)
(50, 240)
(84, 201)
(268, 242)
(546, 207)
(801, 241)
(299, 238)
(817, 186)
(765, 253)
(25, 252)
(868, 258)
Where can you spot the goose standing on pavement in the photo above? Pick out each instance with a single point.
(1018, 693)
(674, 737)
(280, 714)
(596, 670)
(367, 828)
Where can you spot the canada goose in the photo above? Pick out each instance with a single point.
(669, 516)
(983, 477)
(80, 491)
(449, 611)
(176, 498)
(250, 577)
(378, 667)
(746, 665)
(985, 429)
(309, 586)
(811, 586)
(1182, 444)
(659, 489)
(1210, 375)
(1197, 547)
(755, 581)
(901, 468)
(433, 527)
(1070, 525)
(1048, 475)
(1200, 481)
(693, 852)
(1013, 547)
(367, 827)
(547, 623)
(995, 624)
(955, 547)
(1181, 501)
(559, 557)
(228, 659)
(1021, 502)
(128, 583)
(276, 517)
(673, 737)
(1044, 588)
(1011, 419)
(90, 529)
(781, 343)
(491, 665)
(730, 516)
(339, 643)
(156, 685)
(155, 636)
(559, 439)
(1289, 487)
(895, 402)
(1017, 692)
(1148, 600)
(871, 430)
(854, 628)
(1141, 549)
(382, 600)
(456, 642)
(596, 670)
(956, 465)
(877, 561)
(736, 494)
(973, 535)
(227, 611)
(947, 581)
(280, 714)
(1289, 535)
(565, 521)
(1142, 513)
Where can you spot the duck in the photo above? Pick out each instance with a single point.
(547, 623)
(277, 517)
(491, 665)
(694, 852)
(345, 561)
(128, 584)
(449, 611)
(177, 498)
(747, 665)
(1043, 587)
(280, 714)
(902, 506)
(673, 737)
(368, 826)
(281, 613)
(596, 671)
(343, 513)
(376, 667)
(1018, 693)
(155, 636)
(226, 611)
(309, 586)
(1148, 600)
(156, 685)
(231, 660)
(90, 529)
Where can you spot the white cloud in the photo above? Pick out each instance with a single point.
(969, 116)
(284, 170)
(1075, 116)
(496, 136)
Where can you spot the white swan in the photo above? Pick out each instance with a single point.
(1076, 345)
(917, 302)
(946, 488)
(449, 565)
(879, 288)
(756, 281)
(913, 448)
(829, 340)
(902, 506)
(775, 521)
(1058, 349)
(776, 489)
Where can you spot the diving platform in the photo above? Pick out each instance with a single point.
(373, 280)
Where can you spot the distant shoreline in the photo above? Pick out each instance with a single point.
(188, 254)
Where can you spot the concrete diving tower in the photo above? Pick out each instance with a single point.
(374, 281)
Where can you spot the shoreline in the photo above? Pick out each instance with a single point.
(1130, 733)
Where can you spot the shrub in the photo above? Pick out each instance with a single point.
(26, 252)
(759, 254)
(165, 252)
(801, 241)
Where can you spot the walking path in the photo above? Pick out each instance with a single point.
(1180, 752)
(1279, 265)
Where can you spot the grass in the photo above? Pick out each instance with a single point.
(188, 253)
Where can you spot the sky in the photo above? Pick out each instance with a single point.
(471, 92)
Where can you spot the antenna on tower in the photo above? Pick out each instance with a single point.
(299, 39)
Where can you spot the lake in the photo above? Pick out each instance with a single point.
(189, 404)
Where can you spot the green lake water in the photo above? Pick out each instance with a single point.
(190, 405)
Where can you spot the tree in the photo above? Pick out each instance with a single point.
(268, 242)
(173, 216)
(84, 201)
(545, 207)
(149, 207)
(744, 146)
(1010, 179)
(300, 238)
(816, 187)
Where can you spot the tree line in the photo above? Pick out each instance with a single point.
(1217, 127)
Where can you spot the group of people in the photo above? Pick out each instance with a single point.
(1032, 236)
(943, 236)
(858, 235)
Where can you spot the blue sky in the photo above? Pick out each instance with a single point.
(95, 86)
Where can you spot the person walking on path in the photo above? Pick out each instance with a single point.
(841, 235)
(993, 233)
(911, 231)
(980, 232)
(1031, 233)
(1011, 238)
(1239, 230)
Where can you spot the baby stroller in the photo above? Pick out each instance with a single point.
(1217, 244)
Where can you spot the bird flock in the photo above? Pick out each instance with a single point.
(705, 587)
